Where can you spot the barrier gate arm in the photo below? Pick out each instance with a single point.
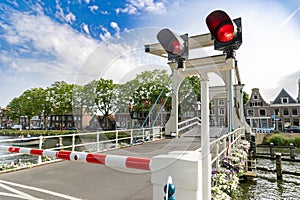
(93, 158)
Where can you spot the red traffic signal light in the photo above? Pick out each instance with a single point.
(226, 33)
(176, 46)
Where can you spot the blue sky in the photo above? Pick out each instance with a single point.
(43, 41)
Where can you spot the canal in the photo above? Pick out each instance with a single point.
(266, 186)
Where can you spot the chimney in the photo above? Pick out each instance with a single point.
(298, 91)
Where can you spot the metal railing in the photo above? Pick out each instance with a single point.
(189, 124)
(87, 142)
(220, 146)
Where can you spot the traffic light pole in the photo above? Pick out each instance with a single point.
(203, 66)
(205, 147)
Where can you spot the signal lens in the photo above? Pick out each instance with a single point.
(176, 47)
(226, 33)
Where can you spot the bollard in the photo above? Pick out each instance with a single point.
(59, 144)
(169, 190)
(272, 150)
(292, 151)
(249, 161)
(278, 166)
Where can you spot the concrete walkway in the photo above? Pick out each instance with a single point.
(72, 180)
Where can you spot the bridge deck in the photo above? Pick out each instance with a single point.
(88, 181)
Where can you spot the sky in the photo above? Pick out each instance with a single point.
(43, 41)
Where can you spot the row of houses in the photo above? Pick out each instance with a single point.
(279, 114)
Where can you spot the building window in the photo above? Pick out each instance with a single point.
(276, 111)
(221, 122)
(212, 111)
(212, 103)
(285, 111)
(284, 100)
(262, 112)
(295, 111)
(221, 111)
(255, 97)
(250, 113)
(221, 102)
(296, 122)
(264, 123)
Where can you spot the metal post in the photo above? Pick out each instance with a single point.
(143, 134)
(272, 150)
(205, 148)
(292, 151)
(40, 147)
(278, 166)
(218, 160)
(131, 136)
(73, 142)
(230, 107)
(98, 145)
(117, 135)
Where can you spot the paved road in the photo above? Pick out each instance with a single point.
(72, 180)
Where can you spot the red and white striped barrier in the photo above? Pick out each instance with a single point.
(94, 158)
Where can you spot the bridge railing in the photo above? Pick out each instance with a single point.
(220, 146)
(188, 124)
(88, 142)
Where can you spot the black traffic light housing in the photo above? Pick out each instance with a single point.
(176, 46)
(226, 33)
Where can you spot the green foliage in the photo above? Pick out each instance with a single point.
(101, 96)
(189, 92)
(245, 97)
(145, 89)
(283, 140)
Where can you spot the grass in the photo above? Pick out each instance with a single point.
(34, 132)
(283, 139)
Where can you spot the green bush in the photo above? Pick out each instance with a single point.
(282, 140)
(297, 141)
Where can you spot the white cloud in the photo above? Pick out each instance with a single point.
(116, 27)
(86, 28)
(70, 17)
(138, 6)
(106, 34)
(121, 58)
(93, 8)
(43, 51)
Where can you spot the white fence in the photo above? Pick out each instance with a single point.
(88, 142)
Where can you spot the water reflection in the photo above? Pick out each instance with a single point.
(267, 187)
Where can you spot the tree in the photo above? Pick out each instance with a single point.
(78, 102)
(144, 90)
(59, 96)
(105, 99)
(189, 93)
(245, 97)
(29, 104)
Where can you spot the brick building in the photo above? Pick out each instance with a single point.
(279, 114)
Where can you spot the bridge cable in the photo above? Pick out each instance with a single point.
(146, 119)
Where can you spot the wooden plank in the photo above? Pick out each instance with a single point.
(250, 174)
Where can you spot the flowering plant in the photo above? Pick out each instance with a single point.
(225, 180)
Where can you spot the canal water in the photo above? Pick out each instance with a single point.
(266, 186)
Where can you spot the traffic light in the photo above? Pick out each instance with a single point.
(176, 46)
(227, 33)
